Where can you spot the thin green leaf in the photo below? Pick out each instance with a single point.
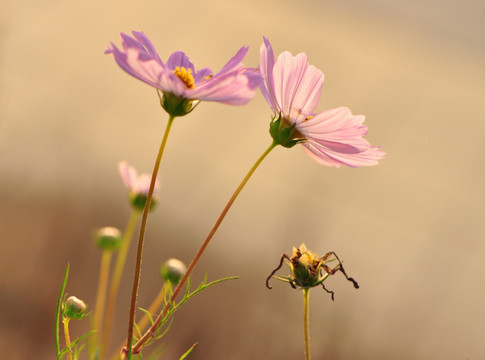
(188, 352)
(150, 316)
(188, 296)
(165, 331)
(137, 328)
(58, 313)
(75, 342)
(283, 278)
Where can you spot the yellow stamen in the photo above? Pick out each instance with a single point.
(186, 76)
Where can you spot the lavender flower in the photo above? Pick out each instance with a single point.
(182, 85)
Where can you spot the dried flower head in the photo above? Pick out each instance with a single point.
(308, 269)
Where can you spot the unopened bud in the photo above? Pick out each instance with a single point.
(173, 270)
(138, 201)
(74, 308)
(108, 238)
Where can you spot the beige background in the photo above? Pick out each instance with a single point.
(410, 230)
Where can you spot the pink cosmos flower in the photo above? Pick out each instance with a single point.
(233, 84)
(137, 185)
(292, 88)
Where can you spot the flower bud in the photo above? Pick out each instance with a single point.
(108, 238)
(173, 270)
(73, 308)
(138, 201)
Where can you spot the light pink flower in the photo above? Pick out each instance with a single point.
(136, 184)
(292, 88)
(233, 84)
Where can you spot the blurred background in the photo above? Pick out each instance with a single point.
(410, 230)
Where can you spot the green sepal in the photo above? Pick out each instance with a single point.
(284, 136)
(138, 202)
(177, 105)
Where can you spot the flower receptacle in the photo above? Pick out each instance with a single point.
(177, 105)
(283, 134)
(138, 201)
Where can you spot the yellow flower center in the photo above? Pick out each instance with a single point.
(186, 76)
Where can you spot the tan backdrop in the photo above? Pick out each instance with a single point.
(411, 230)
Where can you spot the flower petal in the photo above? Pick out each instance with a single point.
(266, 65)
(235, 88)
(335, 138)
(234, 63)
(202, 75)
(143, 67)
(128, 43)
(128, 175)
(180, 59)
(297, 86)
(145, 41)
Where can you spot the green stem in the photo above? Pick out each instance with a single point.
(115, 282)
(153, 328)
(68, 339)
(100, 299)
(306, 322)
(141, 238)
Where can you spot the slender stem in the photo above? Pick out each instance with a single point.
(115, 282)
(101, 298)
(153, 328)
(306, 322)
(155, 305)
(68, 339)
(141, 238)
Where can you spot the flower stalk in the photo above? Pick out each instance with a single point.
(67, 337)
(137, 347)
(306, 322)
(141, 238)
(115, 282)
(101, 294)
